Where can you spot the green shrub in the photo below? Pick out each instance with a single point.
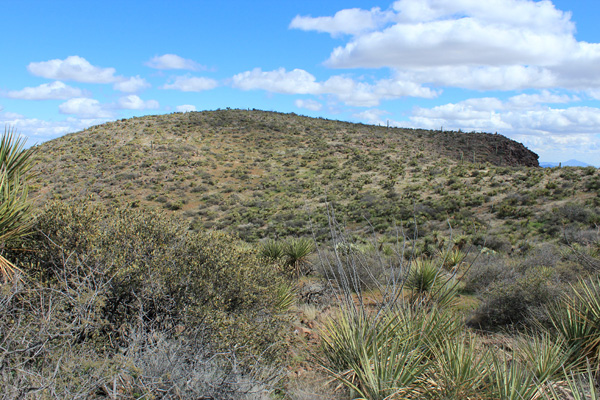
(515, 301)
(155, 271)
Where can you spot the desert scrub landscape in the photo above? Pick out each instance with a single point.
(250, 254)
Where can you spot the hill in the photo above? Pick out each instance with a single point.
(265, 174)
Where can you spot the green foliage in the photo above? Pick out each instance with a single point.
(423, 276)
(515, 300)
(576, 320)
(383, 355)
(296, 252)
(154, 271)
(15, 166)
(272, 250)
(459, 368)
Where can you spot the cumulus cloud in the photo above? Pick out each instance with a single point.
(133, 102)
(473, 44)
(544, 97)
(297, 81)
(345, 89)
(85, 108)
(131, 85)
(351, 21)
(191, 84)
(527, 118)
(38, 130)
(372, 116)
(362, 94)
(173, 61)
(185, 108)
(308, 104)
(48, 91)
(73, 68)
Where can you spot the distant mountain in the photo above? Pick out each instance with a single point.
(569, 163)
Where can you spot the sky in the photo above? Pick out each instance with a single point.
(529, 70)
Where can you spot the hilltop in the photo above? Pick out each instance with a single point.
(266, 174)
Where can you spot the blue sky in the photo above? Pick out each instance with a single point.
(529, 70)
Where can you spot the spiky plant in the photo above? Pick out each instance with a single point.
(576, 318)
(15, 171)
(512, 381)
(423, 276)
(272, 250)
(460, 368)
(296, 252)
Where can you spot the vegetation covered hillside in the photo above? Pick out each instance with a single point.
(264, 174)
(373, 263)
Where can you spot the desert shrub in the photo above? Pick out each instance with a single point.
(516, 301)
(54, 346)
(153, 270)
(493, 242)
(360, 270)
(486, 269)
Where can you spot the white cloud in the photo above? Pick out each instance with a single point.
(536, 16)
(544, 97)
(85, 108)
(511, 77)
(296, 81)
(347, 90)
(361, 94)
(73, 68)
(37, 130)
(544, 129)
(372, 116)
(133, 102)
(458, 42)
(185, 108)
(191, 84)
(308, 104)
(473, 44)
(173, 61)
(350, 21)
(48, 91)
(131, 85)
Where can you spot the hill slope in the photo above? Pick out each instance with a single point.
(268, 174)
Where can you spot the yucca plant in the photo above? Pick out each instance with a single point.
(544, 356)
(272, 250)
(296, 252)
(459, 369)
(376, 355)
(453, 258)
(15, 171)
(423, 276)
(511, 380)
(285, 297)
(581, 387)
(576, 319)
(429, 284)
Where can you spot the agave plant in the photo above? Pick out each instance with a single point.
(15, 171)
